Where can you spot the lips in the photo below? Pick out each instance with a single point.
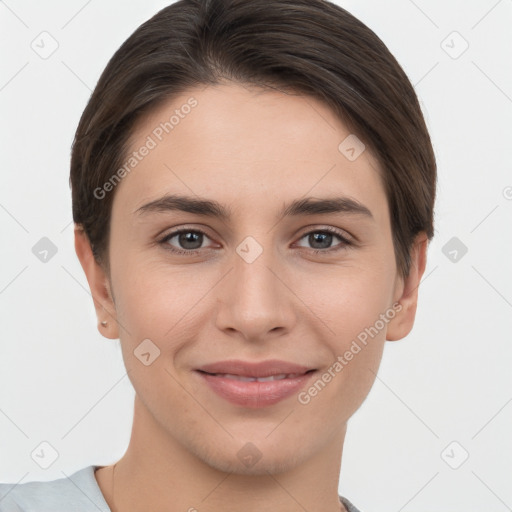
(244, 378)
(271, 367)
(255, 385)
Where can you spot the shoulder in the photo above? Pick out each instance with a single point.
(78, 492)
(348, 505)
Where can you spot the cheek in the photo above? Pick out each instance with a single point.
(346, 300)
(152, 296)
(155, 308)
(354, 308)
(354, 336)
(340, 389)
(168, 306)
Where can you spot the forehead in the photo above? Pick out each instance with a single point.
(238, 143)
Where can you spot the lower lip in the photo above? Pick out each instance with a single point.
(255, 394)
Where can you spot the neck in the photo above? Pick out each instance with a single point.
(158, 473)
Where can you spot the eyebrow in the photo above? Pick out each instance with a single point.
(211, 208)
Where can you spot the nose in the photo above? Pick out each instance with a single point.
(254, 299)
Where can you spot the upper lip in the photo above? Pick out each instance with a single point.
(251, 369)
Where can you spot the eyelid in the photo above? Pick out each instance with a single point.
(342, 233)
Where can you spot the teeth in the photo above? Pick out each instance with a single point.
(258, 379)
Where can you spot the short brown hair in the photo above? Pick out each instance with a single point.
(310, 46)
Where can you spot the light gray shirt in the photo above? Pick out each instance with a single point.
(79, 492)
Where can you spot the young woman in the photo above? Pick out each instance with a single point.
(253, 189)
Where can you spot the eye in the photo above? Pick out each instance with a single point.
(321, 240)
(189, 241)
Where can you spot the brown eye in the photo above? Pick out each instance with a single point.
(188, 241)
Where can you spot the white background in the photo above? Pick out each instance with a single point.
(449, 380)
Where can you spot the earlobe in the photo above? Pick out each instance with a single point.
(98, 284)
(403, 322)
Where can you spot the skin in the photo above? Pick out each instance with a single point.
(252, 150)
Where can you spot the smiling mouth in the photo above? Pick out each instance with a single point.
(255, 392)
(245, 378)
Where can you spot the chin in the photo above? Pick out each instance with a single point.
(249, 460)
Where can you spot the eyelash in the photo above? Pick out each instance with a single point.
(343, 245)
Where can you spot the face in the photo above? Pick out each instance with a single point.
(314, 286)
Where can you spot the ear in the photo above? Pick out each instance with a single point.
(406, 291)
(99, 285)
